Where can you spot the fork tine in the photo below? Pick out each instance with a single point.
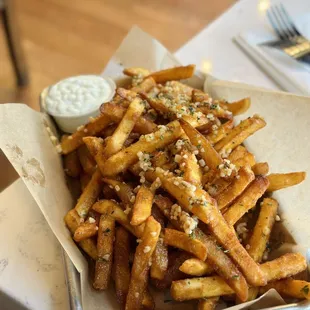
(289, 20)
(285, 28)
(273, 19)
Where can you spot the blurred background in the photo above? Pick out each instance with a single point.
(61, 38)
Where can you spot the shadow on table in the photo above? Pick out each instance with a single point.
(7, 303)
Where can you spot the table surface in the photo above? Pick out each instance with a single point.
(31, 266)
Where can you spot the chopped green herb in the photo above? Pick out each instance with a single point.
(191, 110)
(107, 230)
(192, 235)
(213, 106)
(182, 173)
(236, 276)
(305, 290)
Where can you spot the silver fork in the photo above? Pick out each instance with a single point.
(291, 41)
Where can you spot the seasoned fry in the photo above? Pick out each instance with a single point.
(72, 166)
(136, 71)
(238, 107)
(89, 195)
(247, 200)
(84, 231)
(208, 304)
(140, 268)
(147, 84)
(159, 261)
(211, 158)
(128, 156)
(263, 228)
(190, 168)
(285, 266)
(148, 301)
(176, 73)
(84, 180)
(123, 190)
(121, 269)
(216, 186)
(196, 267)
(238, 134)
(238, 185)
(241, 157)
(103, 267)
(282, 180)
(183, 241)
(260, 168)
(96, 125)
(216, 135)
(202, 205)
(197, 288)
(86, 159)
(142, 206)
(288, 287)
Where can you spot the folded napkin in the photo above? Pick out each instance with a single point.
(291, 75)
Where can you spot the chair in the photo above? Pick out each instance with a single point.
(13, 40)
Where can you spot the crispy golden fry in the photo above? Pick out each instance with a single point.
(96, 148)
(107, 132)
(261, 168)
(72, 221)
(208, 304)
(216, 135)
(288, 287)
(86, 159)
(211, 158)
(238, 107)
(190, 168)
(140, 268)
(89, 195)
(148, 301)
(96, 125)
(143, 205)
(282, 180)
(116, 113)
(160, 158)
(147, 84)
(159, 261)
(196, 267)
(183, 241)
(216, 186)
(84, 231)
(128, 156)
(238, 134)
(72, 165)
(136, 71)
(121, 269)
(84, 180)
(285, 266)
(124, 128)
(263, 228)
(176, 73)
(123, 190)
(203, 206)
(197, 288)
(105, 241)
(113, 209)
(237, 186)
(247, 200)
(216, 256)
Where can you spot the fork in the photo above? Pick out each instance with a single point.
(291, 41)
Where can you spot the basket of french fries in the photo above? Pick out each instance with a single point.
(173, 203)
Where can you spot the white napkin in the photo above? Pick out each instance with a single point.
(291, 75)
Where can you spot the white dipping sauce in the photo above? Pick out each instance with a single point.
(78, 95)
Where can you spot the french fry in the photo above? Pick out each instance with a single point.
(216, 135)
(197, 288)
(116, 113)
(237, 186)
(260, 168)
(86, 159)
(238, 134)
(89, 195)
(105, 241)
(72, 221)
(84, 231)
(285, 266)
(140, 268)
(96, 125)
(289, 288)
(176, 73)
(148, 301)
(282, 180)
(203, 206)
(183, 241)
(160, 158)
(190, 168)
(216, 186)
(145, 86)
(72, 166)
(211, 158)
(238, 107)
(208, 304)
(84, 180)
(263, 228)
(143, 205)
(128, 156)
(196, 267)
(121, 269)
(247, 200)
(134, 71)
